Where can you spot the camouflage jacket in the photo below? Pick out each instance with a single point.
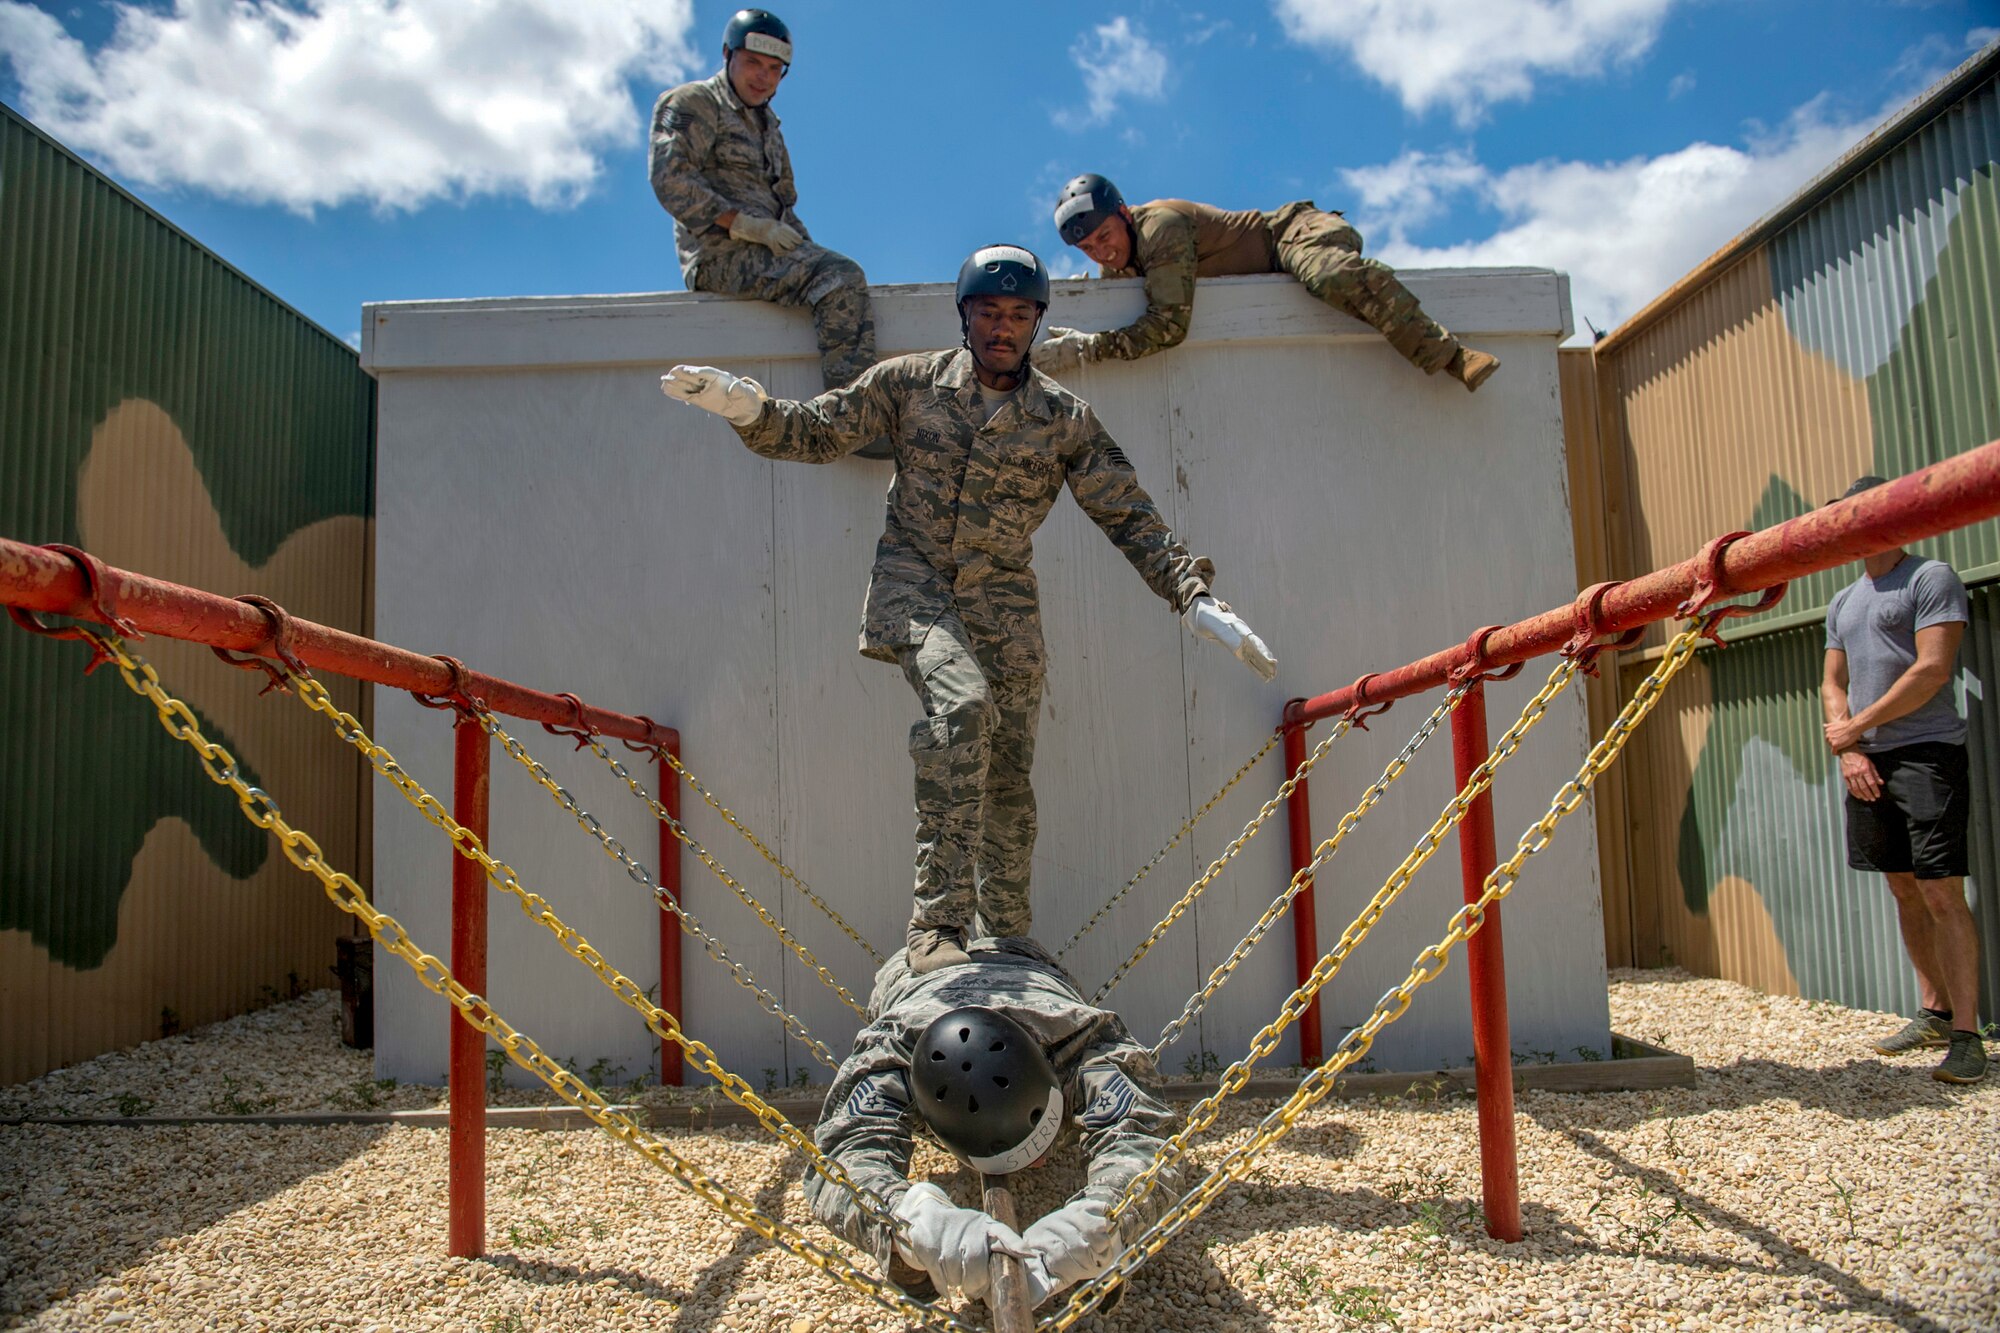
(1174, 242)
(969, 494)
(712, 155)
(1111, 1091)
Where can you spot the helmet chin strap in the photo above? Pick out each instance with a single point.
(1016, 375)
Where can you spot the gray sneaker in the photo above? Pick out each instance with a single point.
(1965, 1062)
(1922, 1031)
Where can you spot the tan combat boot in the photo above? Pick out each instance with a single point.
(933, 947)
(1471, 367)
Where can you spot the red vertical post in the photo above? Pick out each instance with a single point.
(671, 1071)
(1305, 926)
(472, 756)
(1486, 967)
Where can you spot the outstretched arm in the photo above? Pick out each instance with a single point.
(1168, 243)
(1107, 488)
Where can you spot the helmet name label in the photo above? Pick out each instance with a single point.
(764, 44)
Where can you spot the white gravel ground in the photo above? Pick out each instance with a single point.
(1803, 1182)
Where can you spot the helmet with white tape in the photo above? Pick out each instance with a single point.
(758, 30)
(987, 1090)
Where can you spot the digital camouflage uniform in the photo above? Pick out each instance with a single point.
(1174, 242)
(952, 598)
(1110, 1085)
(712, 155)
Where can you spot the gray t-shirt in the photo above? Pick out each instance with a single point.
(1875, 622)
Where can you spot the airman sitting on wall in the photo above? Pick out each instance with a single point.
(720, 166)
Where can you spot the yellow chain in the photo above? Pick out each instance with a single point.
(660, 1022)
(502, 875)
(1215, 867)
(1465, 923)
(596, 829)
(1172, 842)
(346, 894)
(729, 817)
(1205, 1112)
(1220, 976)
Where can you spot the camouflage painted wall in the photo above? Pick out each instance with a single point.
(159, 409)
(1862, 335)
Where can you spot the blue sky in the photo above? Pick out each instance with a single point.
(341, 151)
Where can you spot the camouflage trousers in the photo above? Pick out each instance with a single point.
(1323, 251)
(812, 275)
(975, 806)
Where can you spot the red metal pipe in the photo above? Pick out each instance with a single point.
(1486, 968)
(471, 772)
(1951, 494)
(38, 579)
(671, 1069)
(1305, 926)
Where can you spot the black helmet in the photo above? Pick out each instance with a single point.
(1003, 270)
(986, 1088)
(1084, 204)
(758, 30)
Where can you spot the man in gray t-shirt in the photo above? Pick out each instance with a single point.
(1892, 640)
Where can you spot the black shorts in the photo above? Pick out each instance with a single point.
(1918, 824)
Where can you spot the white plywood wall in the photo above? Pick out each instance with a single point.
(545, 514)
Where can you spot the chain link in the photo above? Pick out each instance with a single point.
(785, 872)
(1464, 924)
(661, 1023)
(1215, 867)
(1205, 1112)
(1220, 976)
(502, 876)
(592, 826)
(346, 894)
(1269, 744)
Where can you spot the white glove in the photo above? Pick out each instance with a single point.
(954, 1245)
(735, 397)
(1211, 620)
(1076, 1242)
(774, 235)
(1064, 349)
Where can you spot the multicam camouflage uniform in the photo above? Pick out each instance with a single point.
(1109, 1082)
(1175, 241)
(712, 155)
(952, 598)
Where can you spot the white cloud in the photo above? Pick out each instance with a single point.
(1117, 62)
(1469, 56)
(1681, 84)
(310, 103)
(1623, 231)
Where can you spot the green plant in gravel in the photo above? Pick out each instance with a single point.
(1846, 1201)
(505, 1323)
(131, 1104)
(1201, 1064)
(496, 1072)
(366, 1093)
(802, 1079)
(1359, 1305)
(602, 1075)
(770, 1080)
(533, 1232)
(1657, 1215)
(1588, 1053)
(231, 1101)
(1304, 1276)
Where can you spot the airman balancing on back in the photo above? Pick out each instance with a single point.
(719, 165)
(1171, 242)
(983, 445)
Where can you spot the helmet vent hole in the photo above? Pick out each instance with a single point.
(998, 1045)
(944, 1090)
(966, 1066)
(965, 1034)
(1000, 1079)
(937, 1055)
(1035, 1116)
(972, 1105)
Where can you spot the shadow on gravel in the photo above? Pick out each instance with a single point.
(1857, 1296)
(712, 1290)
(79, 1206)
(544, 1274)
(1861, 1089)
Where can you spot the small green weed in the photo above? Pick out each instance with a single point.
(602, 1074)
(1588, 1053)
(1846, 1202)
(170, 1021)
(231, 1101)
(770, 1080)
(366, 1093)
(1200, 1064)
(505, 1323)
(1657, 1215)
(533, 1232)
(496, 1072)
(131, 1104)
(1360, 1306)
